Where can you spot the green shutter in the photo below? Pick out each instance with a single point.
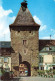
(42, 59)
(39, 59)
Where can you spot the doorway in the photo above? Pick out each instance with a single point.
(24, 69)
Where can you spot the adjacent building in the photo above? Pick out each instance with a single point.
(46, 54)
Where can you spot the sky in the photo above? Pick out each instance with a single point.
(43, 12)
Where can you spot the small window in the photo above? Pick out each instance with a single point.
(29, 31)
(5, 59)
(24, 51)
(32, 33)
(42, 68)
(47, 48)
(50, 48)
(40, 59)
(18, 31)
(24, 42)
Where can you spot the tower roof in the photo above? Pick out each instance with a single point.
(24, 17)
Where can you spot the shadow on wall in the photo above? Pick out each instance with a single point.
(16, 68)
(20, 61)
(20, 58)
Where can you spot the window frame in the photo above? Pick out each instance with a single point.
(5, 59)
(24, 42)
(54, 59)
(47, 49)
(40, 59)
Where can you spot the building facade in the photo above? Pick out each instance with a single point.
(5, 55)
(47, 54)
(25, 52)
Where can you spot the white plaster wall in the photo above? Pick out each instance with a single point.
(48, 59)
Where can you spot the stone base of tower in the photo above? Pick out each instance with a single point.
(15, 64)
(15, 70)
(16, 73)
(33, 72)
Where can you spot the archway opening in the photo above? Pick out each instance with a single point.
(24, 69)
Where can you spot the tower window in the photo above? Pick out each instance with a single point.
(18, 31)
(24, 51)
(47, 48)
(24, 42)
(29, 31)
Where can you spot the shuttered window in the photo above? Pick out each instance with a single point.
(40, 59)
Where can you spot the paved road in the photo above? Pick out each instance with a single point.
(31, 79)
(38, 79)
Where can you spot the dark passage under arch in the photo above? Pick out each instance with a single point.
(27, 65)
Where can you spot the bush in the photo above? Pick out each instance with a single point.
(3, 71)
(2, 74)
(54, 72)
(40, 72)
(5, 75)
(47, 71)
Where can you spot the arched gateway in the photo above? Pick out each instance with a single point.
(24, 69)
(25, 41)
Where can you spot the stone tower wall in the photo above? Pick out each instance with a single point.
(25, 47)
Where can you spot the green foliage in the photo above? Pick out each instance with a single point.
(54, 72)
(47, 71)
(3, 71)
(40, 72)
